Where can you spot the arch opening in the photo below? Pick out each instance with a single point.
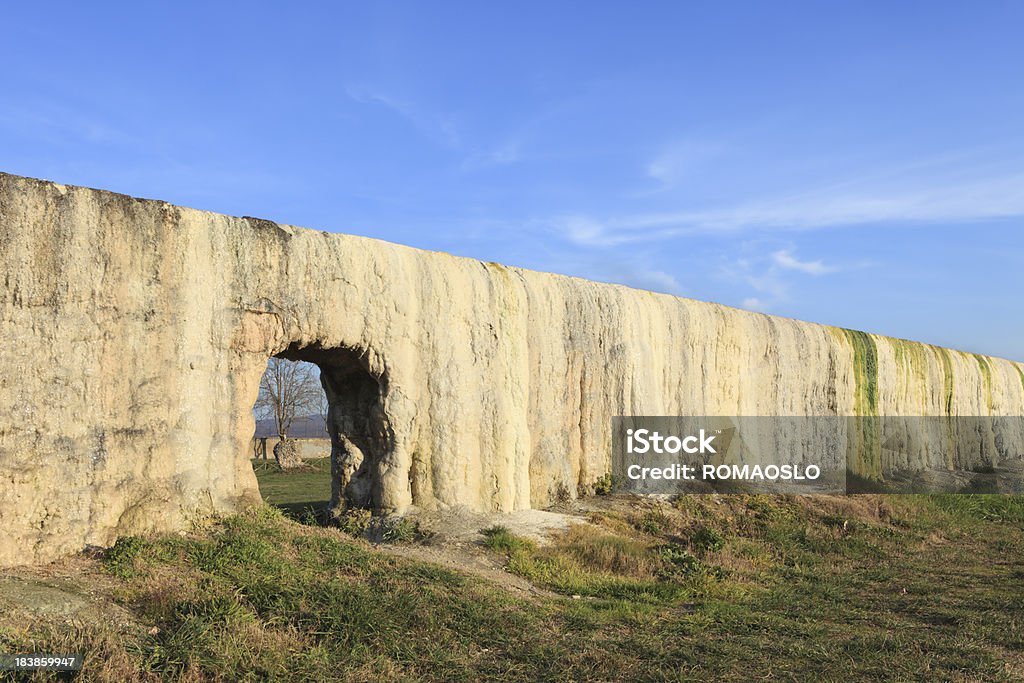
(290, 447)
(356, 422)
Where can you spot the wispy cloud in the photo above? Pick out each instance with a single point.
(654, 280)
(443, 130)
(984, 198)
(439, 127)
(59, 124)
(770, 274)
(785, 259)
(630, 269)
(677, 161)
(508, 152)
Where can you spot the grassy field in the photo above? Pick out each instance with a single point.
(731, 588)
(295, 492)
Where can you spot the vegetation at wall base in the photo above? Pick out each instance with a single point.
(732, 588)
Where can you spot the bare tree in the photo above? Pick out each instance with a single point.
(288, 389)
(323, 406)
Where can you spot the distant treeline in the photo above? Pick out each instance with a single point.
(308, 427)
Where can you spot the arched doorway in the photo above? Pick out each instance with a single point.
(360, 435)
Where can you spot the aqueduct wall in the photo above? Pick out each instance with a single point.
(135, 333)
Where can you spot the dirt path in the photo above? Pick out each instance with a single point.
(455, 542)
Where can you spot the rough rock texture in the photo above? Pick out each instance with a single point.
(288, 454)
(135, 333)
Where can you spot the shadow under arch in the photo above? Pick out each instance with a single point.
(361, 437)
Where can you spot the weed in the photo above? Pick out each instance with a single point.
(563, 494)
(678, 560)
(652, 522)
(120, 560)
(604, 485)
(707, 540)
(395, 530)
(354, 522)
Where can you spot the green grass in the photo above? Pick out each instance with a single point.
(304, 494)
(987, 507)
(299, 494)
(730, 588)
(500, 539)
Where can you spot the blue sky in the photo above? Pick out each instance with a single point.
(857, 164)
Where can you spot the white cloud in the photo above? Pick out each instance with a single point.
(754, 304)
(785, 259)
(766, 273)
(980, 199)
(584, 230)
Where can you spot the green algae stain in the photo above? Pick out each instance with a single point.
(986, 374)
(918, 362)
(911, 358)
(899, 352)
(947, 399)
(947, 375)
(864, 457)
(865, 372)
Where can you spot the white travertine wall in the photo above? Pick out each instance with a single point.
(135, 333)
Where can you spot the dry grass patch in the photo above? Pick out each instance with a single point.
(598, 551)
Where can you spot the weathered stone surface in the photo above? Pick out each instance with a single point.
(135, 334)
(288, 454)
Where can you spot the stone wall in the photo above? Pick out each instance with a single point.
(135, 333)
